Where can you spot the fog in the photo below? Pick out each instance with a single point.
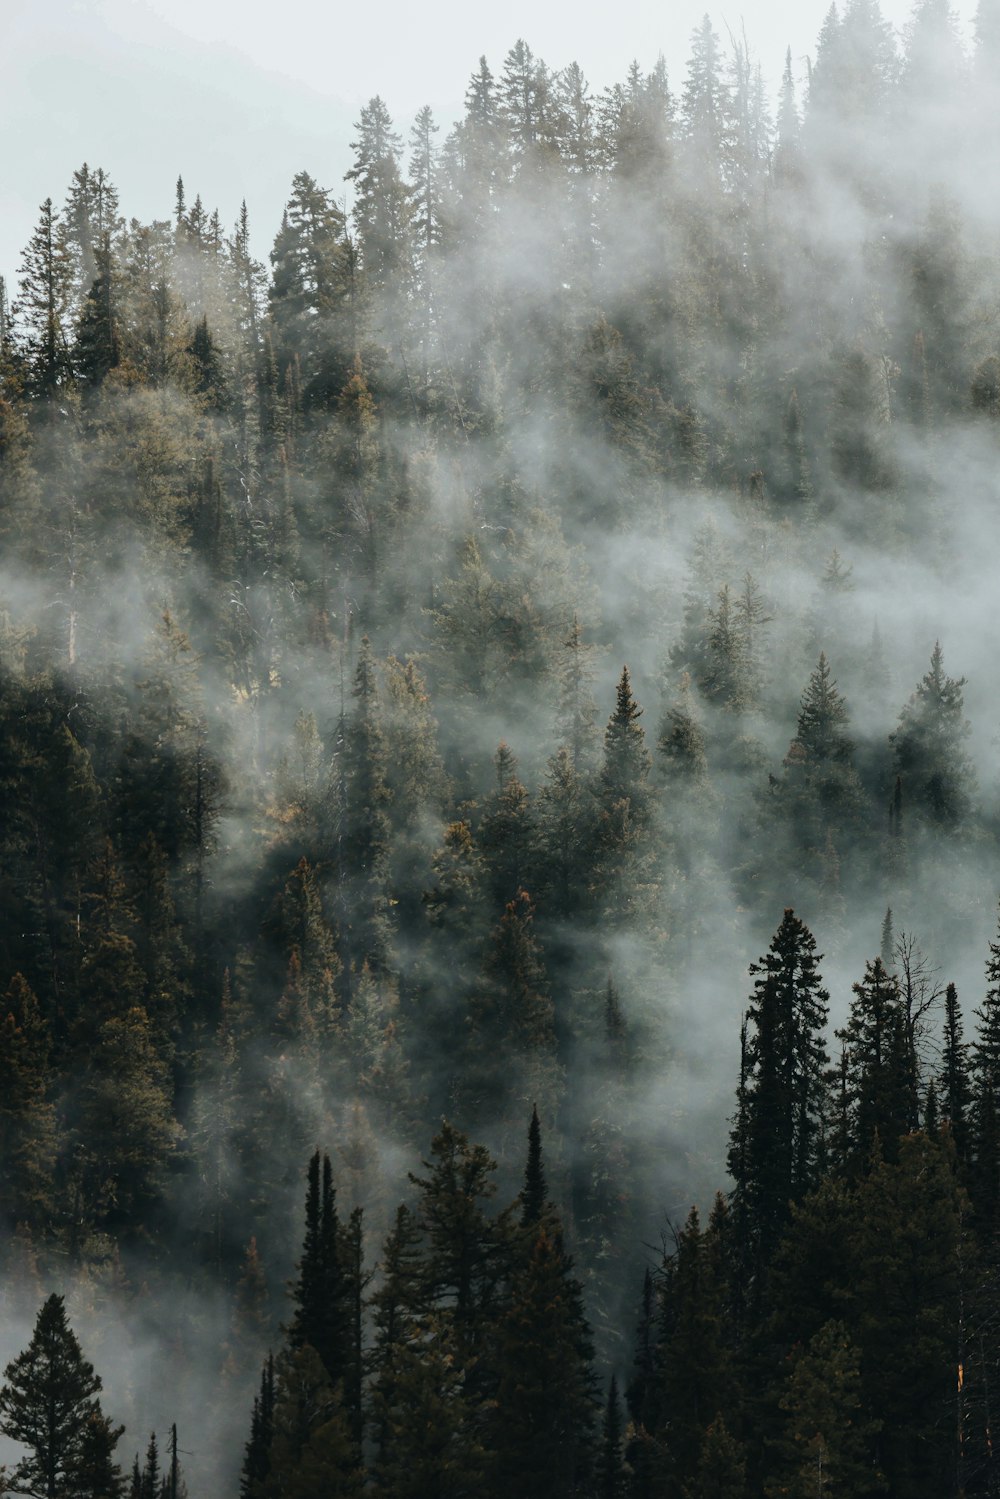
(622, 379)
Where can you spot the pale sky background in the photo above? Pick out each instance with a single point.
(239, 95)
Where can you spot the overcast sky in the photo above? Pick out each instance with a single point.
(239, 95)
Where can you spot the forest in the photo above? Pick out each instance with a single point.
(500, 771)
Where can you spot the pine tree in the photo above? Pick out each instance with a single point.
(722, 1468)
(257, 1453)
(985, 1104)
(426, 229)
(775, 1146)
(827, 1446)
(127, 1132)
(787, 162)
(534, 1193)
(512, 1016)
(565, 827)
(320, 1291)
(43, 305)
(545, 1406)
(908, 1293)
(627, 761)
(312, 1451)
(310, 292)
(879, 1065)
(468, 1249)
(728, 677)
(928, 750)
(383, 209)
(49, 1404)
(821, 790)
(610, 1468)
(576, 710)
(954, 1079)
(704, 107)
(27, 1114)
(362, 796)
(397, 1317)
(506, 835)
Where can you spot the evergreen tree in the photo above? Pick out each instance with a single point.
(322, 1289)
(43, 305)
(775, 1147)
(880, 1066)
(627, 761)
(695, 1380)
(985, 1105)
(383, 209)
(310, 291)
(27, 1114)
(545, 1395)
(954, 1080)
(827, 1446)
(506, 836)
(257, 1453)
(928, 750)
(610, 1469)
(704, 107)
(361, 797)
(49, 1404)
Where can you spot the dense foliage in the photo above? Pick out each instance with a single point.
(331, 811)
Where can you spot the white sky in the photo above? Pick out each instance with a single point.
(239, 95)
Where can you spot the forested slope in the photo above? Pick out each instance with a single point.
(431, 665)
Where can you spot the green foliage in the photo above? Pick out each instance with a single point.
(928, 749)
(49, 1404)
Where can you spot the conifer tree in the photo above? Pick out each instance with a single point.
(722, 1468)
(127, 1132)
(310, 291)
(929, 750)
(27, 1113)
(361, 798)
(257, 1453)
(954, 1080)
(985, 1104)
(468, 1248)
(610, 1468)
(383, 209)
(506, 835)
(704, 106)
(880, 1067)
(624, 791)
(43, 305)
(49, 1404)
(775, 1146)
(545, 1394)
(827, 1444)
(321, 1292)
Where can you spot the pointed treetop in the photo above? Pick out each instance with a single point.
(534, 1194)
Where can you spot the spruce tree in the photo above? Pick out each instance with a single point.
(985, 1105)
(545, 1410)
(954, 1079)
(775, 1145)
(43, 305)
(49, 1404)
(929, 750)
(321, 1291)
(880, 1067)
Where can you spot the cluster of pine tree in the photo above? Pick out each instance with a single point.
(330, 810)
(831, 1330)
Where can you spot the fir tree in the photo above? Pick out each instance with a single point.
(928, 750)
(775, 1149)
(49, 1404)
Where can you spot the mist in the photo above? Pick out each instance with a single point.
(318, 583)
